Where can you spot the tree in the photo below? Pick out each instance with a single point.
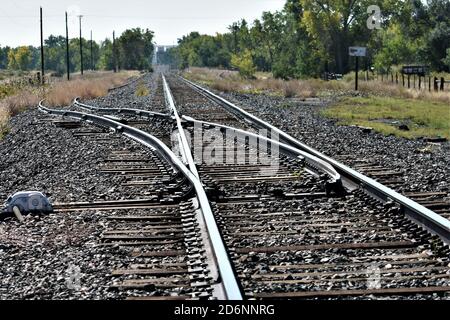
(308, 36)
(436, 44)
(55, 54)
(136, 49)
(4, 57)
(20, 58)
(446, 60)
(244, 63)
(106, 61)
(396, 49)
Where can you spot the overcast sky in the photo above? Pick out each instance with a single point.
(170, 19)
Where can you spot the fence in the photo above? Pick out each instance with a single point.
(419, 82)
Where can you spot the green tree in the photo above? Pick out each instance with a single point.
(106, 55)
(4, 57)
(396, 49)
(446, 60)
(55, 54)
(244, 63)
(136, 49)
(20, 58)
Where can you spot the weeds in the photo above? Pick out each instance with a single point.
(384, 114)
(230, 81)
(142, 90)
(59, 93)
(4, 125)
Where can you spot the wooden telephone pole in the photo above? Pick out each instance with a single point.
(67, 50)
(81, 46)
(42, 50)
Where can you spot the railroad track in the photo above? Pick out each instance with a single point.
(275, 220)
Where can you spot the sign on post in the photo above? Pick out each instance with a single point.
(419, 70)
(357, 51)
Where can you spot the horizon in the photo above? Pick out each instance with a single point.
(203, 16)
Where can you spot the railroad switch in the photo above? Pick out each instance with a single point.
(26, 202)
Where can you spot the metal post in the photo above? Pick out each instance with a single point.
(92, 56)
(403, 79)
(356, 73)
(114, 51)
(409, 82)
(396, 77)
(414, 77)
(420, 81)
(442, 83)
(435, 84)
(81, 48)
(67, 50)
(429, 83)
(42, 51)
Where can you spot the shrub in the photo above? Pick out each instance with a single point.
(244, 63)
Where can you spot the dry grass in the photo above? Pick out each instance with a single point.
(4, 117)
(63, 93)
(230, 81)
(142, 90)
(59, 93)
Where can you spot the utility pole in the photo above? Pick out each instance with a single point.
(67, 50)
(235, 30)
(81, 47)
(114, 52)
(42, 51)
(92, 56)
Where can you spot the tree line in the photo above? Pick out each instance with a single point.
(133, 51)
(309, 37)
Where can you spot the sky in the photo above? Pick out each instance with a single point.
(169, 19)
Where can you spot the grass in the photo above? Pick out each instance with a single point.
(63, 92)
(230, 81)
(379, 104)
(4, 123)
(59, 93)
(423, 117)
(142, 90)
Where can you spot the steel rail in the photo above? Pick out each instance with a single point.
(228, 279)
(288, 149)
(224, 265)
(126, 84)
(418, 213)
(311, 159)
(186, 149)
(127, 111)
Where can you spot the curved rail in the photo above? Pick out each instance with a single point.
(126, 84)
(127, 111)
(312, 160)
(228, 280)
(427, 218)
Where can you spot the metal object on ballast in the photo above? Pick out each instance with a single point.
(28, 202)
